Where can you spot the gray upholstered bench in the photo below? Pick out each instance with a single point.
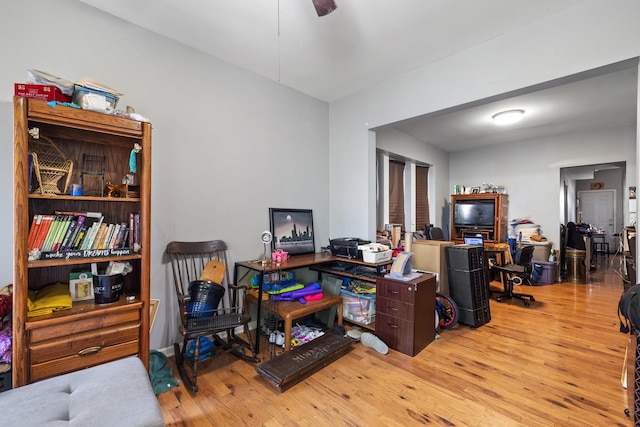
(113, 394)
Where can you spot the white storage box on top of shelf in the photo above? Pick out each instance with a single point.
(375, 253)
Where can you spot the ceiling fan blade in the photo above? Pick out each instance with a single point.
(324, 7)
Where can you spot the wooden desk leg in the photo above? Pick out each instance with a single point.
(287, 333)
(340, 313)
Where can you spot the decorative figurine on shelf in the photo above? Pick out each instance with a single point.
(112, 190)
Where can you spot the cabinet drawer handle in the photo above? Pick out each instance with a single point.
(394, 292)
(391, 325)
(394, 309)
(90, 350)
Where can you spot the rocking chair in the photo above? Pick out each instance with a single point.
(210, 306)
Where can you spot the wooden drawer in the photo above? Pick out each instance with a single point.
(397, 333)
(73, 363)
(395, 308)
(68, 343)
(83, 343)
(71, 325)
(395, 290)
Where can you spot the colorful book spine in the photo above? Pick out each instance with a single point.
(53, 232)
(45, 225)
(72, 238)
(33, 231)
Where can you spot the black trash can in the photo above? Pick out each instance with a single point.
(204, 298)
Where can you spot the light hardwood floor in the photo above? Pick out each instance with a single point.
(555, 363)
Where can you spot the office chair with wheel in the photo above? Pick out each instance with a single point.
(520, 271)
(435, 233)
(211, 307)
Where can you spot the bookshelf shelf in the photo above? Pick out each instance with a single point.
(86, 324)
(42, 263)
(85, 198)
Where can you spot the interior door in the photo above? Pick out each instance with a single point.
(598, 209)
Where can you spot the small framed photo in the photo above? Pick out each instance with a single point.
(292, 230)
(475, 190)
(81, 285)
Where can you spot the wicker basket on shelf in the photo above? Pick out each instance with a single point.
(50, 165)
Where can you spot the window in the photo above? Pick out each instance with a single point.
(422, 197)
(402, 192)
(396, 193)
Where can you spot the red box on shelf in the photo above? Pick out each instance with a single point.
(41, 92)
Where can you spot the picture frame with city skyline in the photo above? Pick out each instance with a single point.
(292, 230)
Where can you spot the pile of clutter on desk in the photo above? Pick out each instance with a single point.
(86, 94)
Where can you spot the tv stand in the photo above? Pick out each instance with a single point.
(495, 233)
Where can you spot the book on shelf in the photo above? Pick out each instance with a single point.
(102, 236)
(91, 234)
(95, 215)
(33, 231)
(52, 233)
(77, 243)
(65, 223)
(131, 216)
(45, 224)
(136, 228)
(69, 244)
(67, 234)
(112, 237)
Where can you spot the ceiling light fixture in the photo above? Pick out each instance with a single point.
(324, 7)
(508, 117)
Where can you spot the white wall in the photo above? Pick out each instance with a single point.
(227, 144)
(6, 193)
(530, 170)
(589, 35)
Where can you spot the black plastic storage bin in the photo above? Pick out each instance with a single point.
(465, 257)
(468, 283)
(204, 298)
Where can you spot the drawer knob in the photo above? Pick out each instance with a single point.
(89, 350)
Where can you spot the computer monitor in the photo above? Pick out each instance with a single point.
(474, 240)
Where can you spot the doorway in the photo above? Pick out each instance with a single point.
(601, 186)
(597, 207)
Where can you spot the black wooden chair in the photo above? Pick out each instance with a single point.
(519, 271)
(210, 305)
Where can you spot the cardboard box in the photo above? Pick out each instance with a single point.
(41, 92)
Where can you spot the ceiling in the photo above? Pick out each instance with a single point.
(364, 42)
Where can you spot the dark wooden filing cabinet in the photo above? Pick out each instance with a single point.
(405, 313)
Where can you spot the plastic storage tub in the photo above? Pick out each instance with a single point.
(550, 272)
(360, 308)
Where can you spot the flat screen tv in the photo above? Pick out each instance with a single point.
(474, 213)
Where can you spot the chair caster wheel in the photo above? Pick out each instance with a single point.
(526, 303)
(498, 300)
(532, 299)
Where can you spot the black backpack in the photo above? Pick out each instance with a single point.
(629, 308)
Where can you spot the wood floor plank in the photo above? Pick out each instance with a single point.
(555, 363)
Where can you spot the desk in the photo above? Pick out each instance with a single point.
(503, 256)
(288, 310)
